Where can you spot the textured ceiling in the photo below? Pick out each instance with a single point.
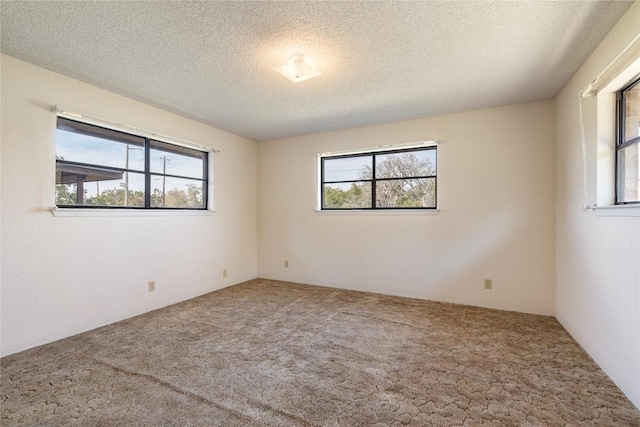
(381, 61)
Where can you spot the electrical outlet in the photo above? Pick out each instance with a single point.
(224, 273)
(488, 283)
(151, 285)
(286, 263)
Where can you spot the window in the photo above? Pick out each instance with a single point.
(628, 144)
(98, 167)
(396, 179)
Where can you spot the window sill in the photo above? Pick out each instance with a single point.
(88, 212)
(617, 210)
(379, 212)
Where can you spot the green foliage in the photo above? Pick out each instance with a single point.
(116, 197)
(334, 197)
(354, 198)
(191, 198)
(66, 194)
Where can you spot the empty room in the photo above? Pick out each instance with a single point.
(320, 213)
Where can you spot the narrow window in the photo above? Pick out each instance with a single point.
(178, 176)
(98, 167)
(628, 144)
(397, 179)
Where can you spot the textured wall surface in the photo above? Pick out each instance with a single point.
(597, 258)
(495, 192)
(63, 275)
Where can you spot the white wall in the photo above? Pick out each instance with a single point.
(60, 275)
(597, 258)
(495, 191)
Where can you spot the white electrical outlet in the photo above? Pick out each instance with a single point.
(286, 263)
(224, 273)
(488, 283)
(151, 285)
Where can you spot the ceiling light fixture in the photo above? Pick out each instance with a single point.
(297, 69)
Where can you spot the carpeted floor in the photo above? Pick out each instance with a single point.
(268, 353)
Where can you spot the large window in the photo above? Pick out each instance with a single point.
(104, 168)
(628, 144)
(397, 179)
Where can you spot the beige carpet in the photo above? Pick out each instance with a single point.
(268, 353)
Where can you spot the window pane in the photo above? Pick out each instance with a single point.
(101, 167)
(66, 194)
(629, 174)
(406, 193)
(351, 195)
(98, 187)
(174, 160)
(347, 168)
(632, 113)
(406, 164)
(99, 147)
(171, 192)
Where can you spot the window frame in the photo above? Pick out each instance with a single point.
(147, 146)
(373, 154)
(620, 142)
